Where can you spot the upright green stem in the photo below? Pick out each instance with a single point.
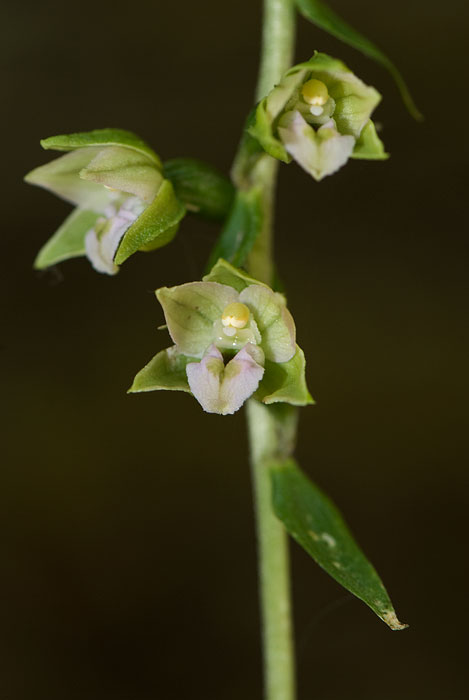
(272, 429)
(278, 42)
(272, 435)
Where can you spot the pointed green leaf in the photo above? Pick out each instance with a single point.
(69, 240)
(316, 524)
(241, 229)
(100, 137)
(324, 17)
(155, 227)
(167, 370)
(200, 186)
(369, 146)
(224, 273)
(285, 382)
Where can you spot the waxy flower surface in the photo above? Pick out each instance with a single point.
(233, 338)
(319, 115)
(122, 201)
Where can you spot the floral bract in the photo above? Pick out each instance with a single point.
(123, 203)
(319, 115)
(233, 338)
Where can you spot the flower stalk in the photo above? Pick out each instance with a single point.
(272, 428)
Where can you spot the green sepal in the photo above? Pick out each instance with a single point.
(190, 311)
(324, 17)
(167, 370)
(355, 101)
(156, 226)
(316, 524)
(69, 240)
(241, 229)
(285, 382)
(224, 273)
(200, 186)
(125, 170)
(369, 146)
(269, 110)
(262, 131)
(61, 176)
(101, 137)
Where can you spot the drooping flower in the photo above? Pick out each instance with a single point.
(319, 115)
(122, 201)
(233, 338)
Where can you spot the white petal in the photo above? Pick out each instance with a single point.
(221, 389)
(318, 155)
(101, 249)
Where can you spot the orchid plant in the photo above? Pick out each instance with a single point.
(233, 336)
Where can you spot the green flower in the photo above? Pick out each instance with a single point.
(319, 115)
(233, 338)
(122, 201)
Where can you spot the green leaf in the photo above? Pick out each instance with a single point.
(285, 382)
(241, 229)
(224, 273)
(101, 137)
(156, 226)
(324, 17)
(316, 524)
(369, 146)
(200, 186)
(69, 240)
(167, 370)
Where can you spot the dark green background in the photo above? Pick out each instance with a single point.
(128, 556)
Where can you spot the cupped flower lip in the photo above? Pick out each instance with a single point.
(221, 388)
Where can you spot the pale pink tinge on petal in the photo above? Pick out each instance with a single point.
(318, 155)
(221, 389)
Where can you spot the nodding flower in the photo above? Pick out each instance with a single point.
(122, 201)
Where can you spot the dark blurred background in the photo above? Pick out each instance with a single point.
(128, 564)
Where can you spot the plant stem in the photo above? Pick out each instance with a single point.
(272, 429)
(278, 41)
(272, 435)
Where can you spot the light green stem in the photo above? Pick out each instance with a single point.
(272, 429)
(278, 42)
(272, 432)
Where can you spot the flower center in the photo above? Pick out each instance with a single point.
(235, 316)
(316, 94)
